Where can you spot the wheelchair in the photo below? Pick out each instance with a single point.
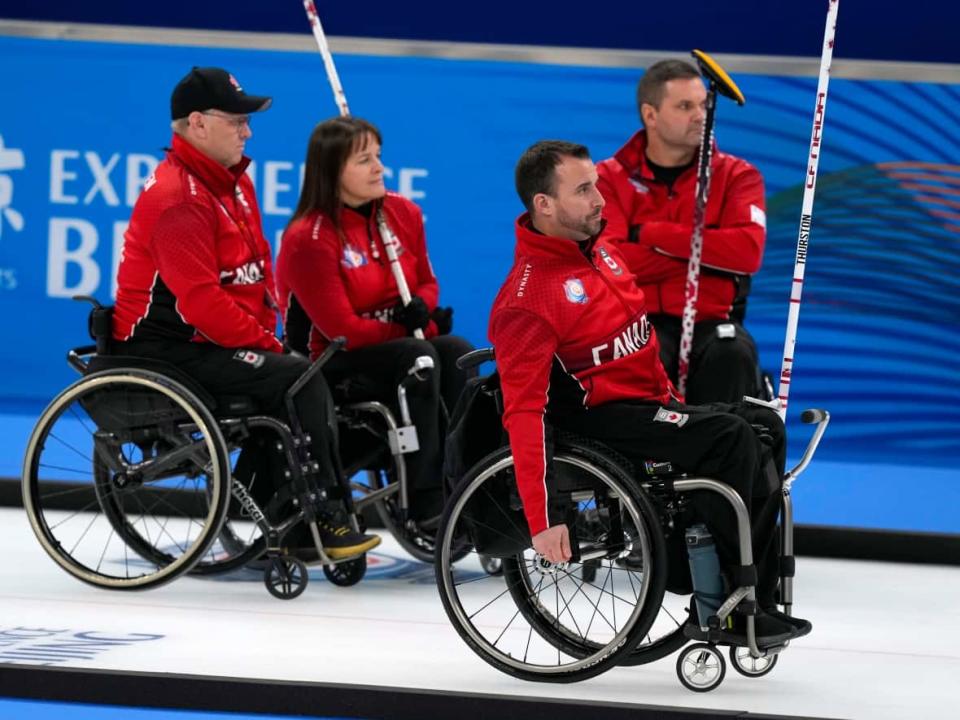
(623, 598)
(134, 475)
(374, 443)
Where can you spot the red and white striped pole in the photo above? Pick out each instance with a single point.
(806, 213)
(338, 95)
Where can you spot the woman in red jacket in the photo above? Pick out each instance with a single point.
(334, 279)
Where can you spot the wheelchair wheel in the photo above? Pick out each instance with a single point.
(419, 542)
(700, 667)
(346, 573)
(126, 479)
(240, 540)
(285, 577)
(665, 635)
(748, 666)
(546, 623)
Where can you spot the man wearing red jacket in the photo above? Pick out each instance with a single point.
(575, 350)
(195, 281)
(649, 186)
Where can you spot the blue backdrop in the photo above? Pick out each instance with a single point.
(83, 124)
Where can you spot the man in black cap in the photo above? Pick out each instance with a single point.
(195, 285)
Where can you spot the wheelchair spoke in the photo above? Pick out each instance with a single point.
(69, 447)
(82, 421)
(506, 627)
(604, 591)
(636, 595)
(84, 533)
(670, 615)
(503, 512)
(613, 595)
(74, 514)
(595, 605)
(162, 526)
(488, 604)
(104, 553)
(566, 607)
(45, 466)
(526, 652)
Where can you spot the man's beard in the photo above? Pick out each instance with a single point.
(586, 226)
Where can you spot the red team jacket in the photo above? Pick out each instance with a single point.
(332, 283)
(591, 317)
(733, 240)
(195, 265)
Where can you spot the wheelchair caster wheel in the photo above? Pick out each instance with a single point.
(285, 577)
(347, 573)
(701, 667)
(750, 666)
(588, 571)
(491, 565)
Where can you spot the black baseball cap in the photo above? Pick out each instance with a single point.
(211, 88)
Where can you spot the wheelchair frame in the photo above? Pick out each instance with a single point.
(285, 576)
(700, 667)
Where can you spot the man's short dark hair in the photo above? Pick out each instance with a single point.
(650, 88)
(535, 171)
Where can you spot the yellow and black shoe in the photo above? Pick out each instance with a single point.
(342, 541)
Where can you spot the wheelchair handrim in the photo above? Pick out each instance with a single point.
(615, 645)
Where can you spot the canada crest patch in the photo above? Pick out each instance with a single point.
(353, 258)
(575, 292)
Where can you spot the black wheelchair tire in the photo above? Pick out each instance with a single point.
(168, 567)
(517, 578)
(591, 663)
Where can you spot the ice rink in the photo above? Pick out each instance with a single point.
(885, 645)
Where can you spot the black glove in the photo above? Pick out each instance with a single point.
(443, 318)
(413, 316)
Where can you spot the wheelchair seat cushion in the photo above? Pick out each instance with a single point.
(220, 405)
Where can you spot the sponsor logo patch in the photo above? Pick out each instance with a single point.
(671, 416)
(249, 357)
(611, 263)
(575, 292)
(758, 216)
(655, 468)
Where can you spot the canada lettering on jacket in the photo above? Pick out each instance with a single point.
(247, 274)
(630, 340)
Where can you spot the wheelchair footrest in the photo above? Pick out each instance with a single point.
(403, 440)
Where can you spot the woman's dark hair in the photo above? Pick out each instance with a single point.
(330, 144)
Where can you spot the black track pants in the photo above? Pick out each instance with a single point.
(374, 373)
(723, 360)
(264, 376)
(714, 441)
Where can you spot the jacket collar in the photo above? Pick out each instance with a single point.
(217, 178)
(633, 157)
(532, 242)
